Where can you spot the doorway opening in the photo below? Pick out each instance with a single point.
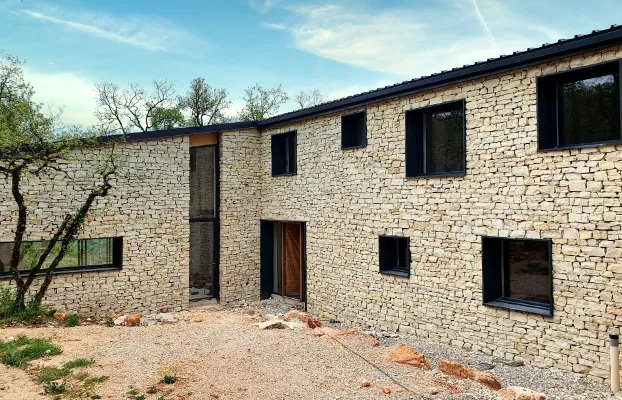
(283, 259)
(204, 227)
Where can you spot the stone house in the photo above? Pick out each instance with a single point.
(480, 207)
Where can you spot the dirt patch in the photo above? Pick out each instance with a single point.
(224, 355)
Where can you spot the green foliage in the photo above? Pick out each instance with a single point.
(17, 353)
(169, 379)
(152, 390)
(95, 379)
(204, 104)
(54, 387)
(167, 118)
(261, 103)
(9, 312)
(79, 363)
(71, 321)
(50, 373)
(109, 322)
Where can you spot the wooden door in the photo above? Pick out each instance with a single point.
(292, 259)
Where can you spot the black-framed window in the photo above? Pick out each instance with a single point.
(579, 107)
(436, 140)
(81, 254)
(354, 130)
(518, 274)
(284, 153)
(394, 254)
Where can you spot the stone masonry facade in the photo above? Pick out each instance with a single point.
(148, 207)
(350, 197)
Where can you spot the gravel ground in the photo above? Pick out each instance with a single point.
(223, 355)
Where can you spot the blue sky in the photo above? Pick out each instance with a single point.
(339, 47)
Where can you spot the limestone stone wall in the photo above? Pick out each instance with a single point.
(240, 202)
(148, 207)
(510, 189)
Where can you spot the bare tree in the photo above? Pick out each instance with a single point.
(133, 107)
(34, 145)
(311, 99)
(206, 105)
(262, 103)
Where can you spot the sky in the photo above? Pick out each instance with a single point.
(339, 47)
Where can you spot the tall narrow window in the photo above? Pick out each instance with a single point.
(354, 130)
(394, 254)
(435, 140)
(579, 107)
(284, 153)
(517, 274)
(81, 254)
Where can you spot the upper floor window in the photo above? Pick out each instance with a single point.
(81, 254)
(579, 107)
(517, 274)
(435, 140)
(284, 153)
(354, 130)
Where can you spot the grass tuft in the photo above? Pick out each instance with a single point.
(49, 374)
(79, 363)
(17, 353)
(54, 388)
(71, 321)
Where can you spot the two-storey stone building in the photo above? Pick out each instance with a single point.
(479, 206)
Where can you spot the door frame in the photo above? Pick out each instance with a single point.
(216, 218)
(266, 252)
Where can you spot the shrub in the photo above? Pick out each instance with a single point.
(8, 311)
(71, 321)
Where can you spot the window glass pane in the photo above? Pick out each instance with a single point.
(202, 181)
(590, 110)
(80, 253)
(444, 145)
(527, 267)
(202, 261)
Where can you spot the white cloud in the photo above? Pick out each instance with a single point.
(73, 93)
(411, 42)
(145, 32)
(263, 5)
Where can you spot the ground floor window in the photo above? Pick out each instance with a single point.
(100, 253)
(394, 254)
(517, 274)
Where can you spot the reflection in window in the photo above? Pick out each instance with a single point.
(80, 253)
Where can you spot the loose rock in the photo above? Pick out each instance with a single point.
(365, 383)
(520, 393)
(60, 316)
(407, 355)
(132, 320)
(120, 320)
(386, 390)
(464, 372)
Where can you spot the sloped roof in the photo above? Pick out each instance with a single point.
(550, 51)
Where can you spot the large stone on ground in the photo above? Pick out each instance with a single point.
(60, 316)
(462, 371)
(132, 320)
(407, 355)
(520, 393)
(120, 320)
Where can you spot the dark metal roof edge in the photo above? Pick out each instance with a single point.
(165, 133)
(502, 64)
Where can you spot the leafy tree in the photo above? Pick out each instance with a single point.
(35, 145)
(262, 103)
(311, 99)
(206, 105)
(131, 108)
(167, 118)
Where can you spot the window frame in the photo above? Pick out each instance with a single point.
(548, 125)
(363, 142)
(291, 167)
(494, 282)
(392, 270)
(411, 130)
(117, 260)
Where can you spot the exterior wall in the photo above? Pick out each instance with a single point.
(148, 207)
(240, 203)
(351, 197)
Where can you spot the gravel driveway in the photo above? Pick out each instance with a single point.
(224, 355)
